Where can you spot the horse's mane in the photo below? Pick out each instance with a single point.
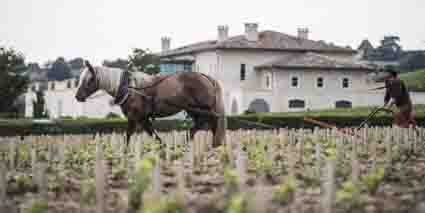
(109, 78)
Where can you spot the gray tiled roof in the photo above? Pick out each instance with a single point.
(267, 40)
(313, 61)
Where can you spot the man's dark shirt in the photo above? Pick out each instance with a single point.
(397, 90)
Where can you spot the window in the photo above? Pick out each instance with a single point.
(268, 80)
(320, 82)
(52, 86)
(243, 72)
(294, 81)
(176, 66)
(68, 84)
(33, 88)
(343, 104)
(345, 83)
(296, 103)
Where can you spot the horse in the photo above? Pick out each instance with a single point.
(143, 97)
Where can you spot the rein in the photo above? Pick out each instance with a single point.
(151, 85)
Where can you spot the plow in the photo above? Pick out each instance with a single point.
(348, 131)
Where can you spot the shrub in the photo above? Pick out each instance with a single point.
(112, 115)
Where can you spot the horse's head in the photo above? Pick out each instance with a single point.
(88, 83)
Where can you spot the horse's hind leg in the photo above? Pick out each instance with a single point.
(148, 126)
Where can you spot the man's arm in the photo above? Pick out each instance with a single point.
(387, 94)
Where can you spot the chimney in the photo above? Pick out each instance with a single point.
(303, 33)
(165, 44)
(251, 31)
(223, 33)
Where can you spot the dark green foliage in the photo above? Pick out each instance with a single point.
(60, 70)
(118, 63)
(144, 61)
(12, 83)
(112, 115)
(76, 63)
(415, 81)
(413, 61)
(38, 106)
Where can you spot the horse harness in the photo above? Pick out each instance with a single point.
(124, 92)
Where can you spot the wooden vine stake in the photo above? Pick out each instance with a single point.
(12, 154)
(3, 186)
(41, 180)
(388, 149)
(374, 144)
(328, 198)
(339, 148)
(180, 182)
(291, 160)
(34, 158)
(61, 151)
(355, 168)
(318, 157)
(241, 167)
(100, 179)
(415, 141)
(156, 178)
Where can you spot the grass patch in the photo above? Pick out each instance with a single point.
(351, 112)
(415, 81)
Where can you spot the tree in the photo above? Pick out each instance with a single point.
(118, 63)
(12, 82)
(76, 63)
(413, 61)
(38, 106)
(144, 61)
(60, 70)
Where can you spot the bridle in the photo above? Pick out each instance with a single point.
(96, 82)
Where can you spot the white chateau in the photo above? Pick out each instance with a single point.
(262, 71)
(269, 71)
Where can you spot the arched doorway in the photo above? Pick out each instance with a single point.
(259, 105)
(343, 104)
(296, 103)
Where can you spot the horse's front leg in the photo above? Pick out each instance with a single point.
(130, 130)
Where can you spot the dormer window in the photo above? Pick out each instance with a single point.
(268, 80)
(294, 82)
(345, 83)
(320, 82)
(243, 72)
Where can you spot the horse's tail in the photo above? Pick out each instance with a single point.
(220, 125)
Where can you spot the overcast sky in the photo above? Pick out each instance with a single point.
(106, 29)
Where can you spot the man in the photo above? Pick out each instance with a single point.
(397, 93)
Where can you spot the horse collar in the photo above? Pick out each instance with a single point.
(122, 93)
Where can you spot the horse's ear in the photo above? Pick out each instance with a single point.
(91, 69)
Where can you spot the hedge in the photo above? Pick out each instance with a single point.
(86, 126)
(255, 121)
